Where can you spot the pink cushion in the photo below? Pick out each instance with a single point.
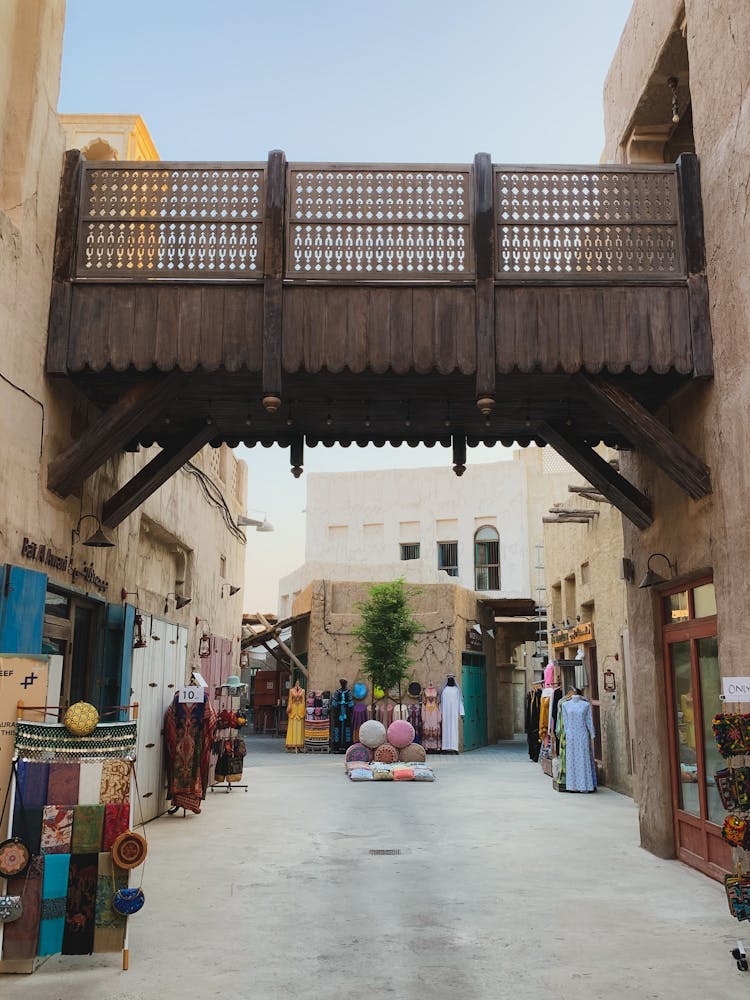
(386, 754)
(401, 733)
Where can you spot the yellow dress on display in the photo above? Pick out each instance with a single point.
(295, 710)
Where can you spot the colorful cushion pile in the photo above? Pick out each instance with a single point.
(387, 756)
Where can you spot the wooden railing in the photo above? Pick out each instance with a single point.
(374, 223)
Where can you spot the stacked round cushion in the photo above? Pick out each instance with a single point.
(401, 733)
(358, 752)
(372, 733)
(386, 753)
(414, 753)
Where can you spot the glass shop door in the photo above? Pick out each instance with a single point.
(693, 685)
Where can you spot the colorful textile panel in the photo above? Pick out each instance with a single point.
(88, 828)
(109, 926)
(54, 891)
(738, 895)
(37, 740)
(115, 786)
(64, 777)
(57, 829)
(21, 936)
(80, 910)
(733, 784)
(736, 831)
(732, 733)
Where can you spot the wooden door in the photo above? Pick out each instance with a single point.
(474, 691)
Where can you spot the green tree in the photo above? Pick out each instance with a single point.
(385, 632)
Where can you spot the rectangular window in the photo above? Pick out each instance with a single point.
(448, 557)
(585, 575)
(486, 559)
(409, 550)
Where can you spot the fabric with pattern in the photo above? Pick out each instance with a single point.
(54, 892)
(115, 786)
(188, 736)
(80, 910)
(20, 937)
(342, 710)
(88, 825)
(358, 717)
(109, 925)
(63, 783)
(57, 829)
(415, 717)
(431, 719)
(580, 771)
(116, 821)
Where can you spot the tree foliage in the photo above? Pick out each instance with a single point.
(385, 632)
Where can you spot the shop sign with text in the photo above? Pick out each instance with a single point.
(46, 556)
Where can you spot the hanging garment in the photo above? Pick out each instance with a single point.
(342, 709)
(295, 710)
(62, 788)
(549, 674)
(57, 829)
(20, 937)
(580, 771)
(531, 721)
(80, 911)
(188, 735)
(580, 672)
(54, 891)
(415, 717)
(115, 786)
(88, 828)
(359, 716)
(431, 719)
(544, 712)
(401, 712)
(451, 707)
(90, 782)
(109, 925)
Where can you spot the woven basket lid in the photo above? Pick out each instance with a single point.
(129, 850)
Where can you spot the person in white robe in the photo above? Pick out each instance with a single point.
(451, 707)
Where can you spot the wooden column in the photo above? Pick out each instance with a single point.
(688, 173)
(63, 267)
(273, 272)
(484, 249)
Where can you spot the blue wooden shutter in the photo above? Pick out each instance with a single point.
(22, 597)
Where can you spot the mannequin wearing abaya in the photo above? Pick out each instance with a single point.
(451, 707)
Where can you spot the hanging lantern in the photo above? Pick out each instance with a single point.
(204, 646)
(244, 659)
(139, 642)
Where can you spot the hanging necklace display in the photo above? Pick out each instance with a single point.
(15, 855)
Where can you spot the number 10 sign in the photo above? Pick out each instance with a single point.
(190, 694)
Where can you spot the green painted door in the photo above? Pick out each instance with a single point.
(474, 690)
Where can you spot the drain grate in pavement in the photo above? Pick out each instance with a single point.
(389, 850)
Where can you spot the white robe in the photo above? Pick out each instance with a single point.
(451, 706)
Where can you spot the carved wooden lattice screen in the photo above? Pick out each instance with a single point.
(380, 223)
(171, 220)
(572, 223)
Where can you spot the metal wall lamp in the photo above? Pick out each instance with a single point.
(99, 540)
(260, 524)
(652, 578)
(179, 601)
(232, 589)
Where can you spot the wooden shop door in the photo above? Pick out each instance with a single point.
(693, 686)
(474, 691)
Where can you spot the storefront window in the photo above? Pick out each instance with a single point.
(704, 598)
(682, 685)
(708, 666)
(57, 605)
(676, 608)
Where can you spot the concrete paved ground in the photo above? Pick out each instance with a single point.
(503, 889)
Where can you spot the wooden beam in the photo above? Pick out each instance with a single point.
(273, 271)
(298, 663)
(648, 434)
(117, 426)
(633, 504)
(688, 172)
(58, 327)
(153, 475)
(566, 520)
(484, 250)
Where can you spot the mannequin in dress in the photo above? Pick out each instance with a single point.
(451, 707)
(430, 718)
(295, 710)
(342, 709)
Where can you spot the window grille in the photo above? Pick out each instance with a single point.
(448, 557)
(486, 559)
(409, 550)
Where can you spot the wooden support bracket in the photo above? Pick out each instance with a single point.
(153, 475)
(633, 504)
(273, 272)
(647, 434)
(117, 426)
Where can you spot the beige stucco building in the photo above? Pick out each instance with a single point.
(688, 631)
(174, 558)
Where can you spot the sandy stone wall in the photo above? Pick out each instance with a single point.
(710, 418)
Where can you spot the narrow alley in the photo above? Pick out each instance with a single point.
(501, 889)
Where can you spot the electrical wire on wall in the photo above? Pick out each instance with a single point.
(215, 497)
(33, 399)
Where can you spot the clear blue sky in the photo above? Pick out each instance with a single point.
(396, 81)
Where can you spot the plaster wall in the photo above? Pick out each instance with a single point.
(177, 534)
(710, 418)
(583, 565)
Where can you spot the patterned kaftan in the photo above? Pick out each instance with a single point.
(431, 719)
(188, 735)
(342, 709)
(577, 721)
(295, 710)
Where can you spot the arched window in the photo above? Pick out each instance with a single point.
(486, 559)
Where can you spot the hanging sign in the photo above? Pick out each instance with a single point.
(735, 688)
(473, 639)
(574, 634)
(192, 694)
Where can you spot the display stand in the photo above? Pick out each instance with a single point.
(228, 701)
(39, 743)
